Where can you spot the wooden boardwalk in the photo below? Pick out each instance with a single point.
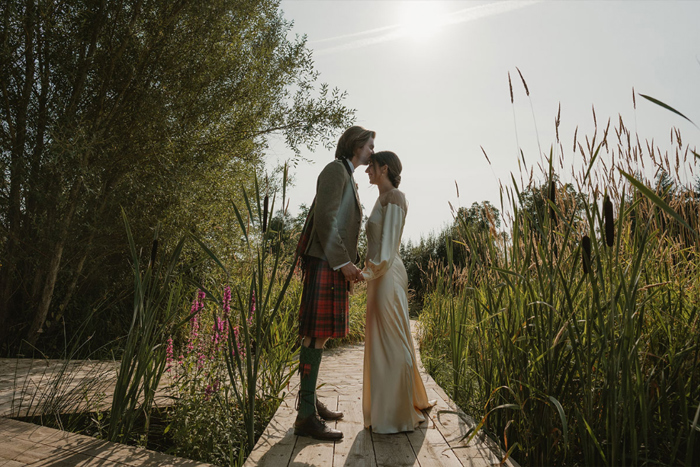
(32, 387)
(26, 444)
(27, 387)
(26, 384)
(437, 442)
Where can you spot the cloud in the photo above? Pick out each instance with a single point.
(397, 31)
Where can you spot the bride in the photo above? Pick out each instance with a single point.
(393, 393)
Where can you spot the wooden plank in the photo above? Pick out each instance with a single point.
(32, 444)
(480, 451)
(275, 446)
(355, 449)
(393, 450)
(431, 448)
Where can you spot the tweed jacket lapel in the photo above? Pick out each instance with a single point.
(354, 187)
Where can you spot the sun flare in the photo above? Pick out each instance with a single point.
(421, 20)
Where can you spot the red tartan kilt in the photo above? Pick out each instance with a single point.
(324, 301)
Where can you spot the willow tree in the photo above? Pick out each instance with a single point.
(140, 104)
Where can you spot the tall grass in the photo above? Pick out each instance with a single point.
(158, 294)
(575, 338)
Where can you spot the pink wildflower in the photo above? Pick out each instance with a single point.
(197, 305)
(169, 354)
(226, 302)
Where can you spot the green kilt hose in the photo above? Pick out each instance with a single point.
(324, 301)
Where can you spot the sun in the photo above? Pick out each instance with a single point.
(421, 20)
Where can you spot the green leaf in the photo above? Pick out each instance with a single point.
(665, 106)
(562, 416)
(595, 440)
(210, 254)
(658, 201)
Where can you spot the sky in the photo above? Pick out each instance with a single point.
(431, 78)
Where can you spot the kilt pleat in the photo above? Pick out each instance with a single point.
(324, 301)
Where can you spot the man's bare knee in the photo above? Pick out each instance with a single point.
(320, 343)
(317, 345)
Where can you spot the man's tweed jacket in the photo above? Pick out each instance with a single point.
(337, 216)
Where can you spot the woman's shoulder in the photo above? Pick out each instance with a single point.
(394, 196)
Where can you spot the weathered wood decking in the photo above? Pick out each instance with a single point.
(27, 444)
(31, 387)
(26, 386)
(437, 442)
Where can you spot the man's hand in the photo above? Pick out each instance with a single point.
(352, 273)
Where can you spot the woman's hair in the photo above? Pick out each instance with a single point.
(353, 138)
(391, 160)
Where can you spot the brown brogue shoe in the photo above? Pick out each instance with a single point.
(316, 428)
(326, 413)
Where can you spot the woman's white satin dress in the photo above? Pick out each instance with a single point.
(393, 393)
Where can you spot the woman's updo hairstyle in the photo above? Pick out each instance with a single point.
(391, 160)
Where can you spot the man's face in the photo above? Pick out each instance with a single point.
(363, 153)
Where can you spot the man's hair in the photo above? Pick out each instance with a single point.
(353, 138)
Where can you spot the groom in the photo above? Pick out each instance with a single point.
(329, 270)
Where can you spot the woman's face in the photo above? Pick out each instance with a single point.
(374, 172)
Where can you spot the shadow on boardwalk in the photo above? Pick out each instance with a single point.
(436, 442)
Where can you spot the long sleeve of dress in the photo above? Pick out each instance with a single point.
(392, 226)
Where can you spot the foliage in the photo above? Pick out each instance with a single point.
(163, 108)
(576, 340)
(431, 252)
(157, 296)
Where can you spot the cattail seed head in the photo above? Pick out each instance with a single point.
(552, 199)
(586, 253)
(609, 221)
(154, 252)
(266, 202)
(510, 86)
(527, 91)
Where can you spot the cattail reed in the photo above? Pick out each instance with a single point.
(609, 221)
(586, 253)
(265, 209)
(552, 200)
(154, 252)
(510, 87)
(527, 91)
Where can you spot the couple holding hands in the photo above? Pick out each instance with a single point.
(393, 393)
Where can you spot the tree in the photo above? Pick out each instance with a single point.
(482, 216)
(535, 206)
(162, 107)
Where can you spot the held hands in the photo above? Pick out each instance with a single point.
(352, 273)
